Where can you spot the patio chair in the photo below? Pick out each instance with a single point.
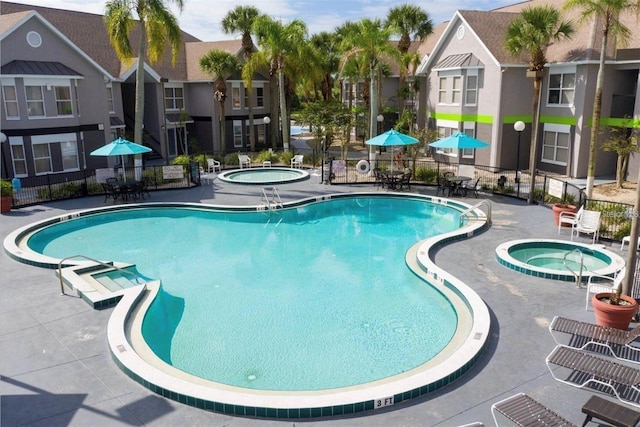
(244, 161)
(405, 181)
(627, 240)
(213, 165)
(598, 283)
(296, 161)
(569, 218)
(588, 223)
(584, 334)
(379, 177)
(523, 410)
(443, 185)
(471, 188)
(596, 372)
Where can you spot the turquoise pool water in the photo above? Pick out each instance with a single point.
(263, 176)
(320, 298)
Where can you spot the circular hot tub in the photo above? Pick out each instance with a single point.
(263, 176)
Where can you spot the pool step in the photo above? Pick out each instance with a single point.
(102, 285)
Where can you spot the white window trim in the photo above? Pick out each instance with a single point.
(472, 72)
(173, 97)
(44, 106)
(70, 100)
(237, 124)
(466, 126)
(110, 92)
(10, 83)
(18, 140)
(561, 69)
(449, 75)
(557, 128)
(55, 139)
(235, 86)
(453, 127)
(264, 104)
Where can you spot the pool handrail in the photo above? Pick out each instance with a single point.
(476, 206)
(579, 274)
(102, 263)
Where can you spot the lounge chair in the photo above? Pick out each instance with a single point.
(524, 411)
(296, 161)
(588, 223)
(244, 161)
(569, 218)
(627, 240)
(598, 283)
(213, 165)
(584, 334)
(599, 373)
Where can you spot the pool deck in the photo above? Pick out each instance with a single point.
(56, 369)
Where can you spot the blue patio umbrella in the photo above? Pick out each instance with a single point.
(120, 147)
(459, 141)
(391, 138)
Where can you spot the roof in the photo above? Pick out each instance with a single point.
(463, 60)
(38, 68)
(87, 31)
(195, 51)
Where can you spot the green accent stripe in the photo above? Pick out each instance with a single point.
(617, 122)
(559, 120)
(462, 117)
(509, 120)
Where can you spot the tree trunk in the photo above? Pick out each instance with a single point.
(283, 110)
(533, 153)
(595, 119)
(373, 103)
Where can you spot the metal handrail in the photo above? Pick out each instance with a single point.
(104, 264)
(578, 275)
(477, 205)
(275, 201)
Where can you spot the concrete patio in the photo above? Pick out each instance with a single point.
(57, 371)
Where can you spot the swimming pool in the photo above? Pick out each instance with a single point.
(558, 259)
(373, 228)
(263, 176)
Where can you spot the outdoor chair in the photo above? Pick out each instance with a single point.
(471, 188)
(296, 161)
(244, 161)
(405, 181)
(524, 411)
(589, 370)
(627, 240)
(213, 165)
(598, 283)
(443, 185)
(584, 335)
(379, 177)
(110, 191)
(569, 218)
(588, 223)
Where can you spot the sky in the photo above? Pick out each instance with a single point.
(201, 18)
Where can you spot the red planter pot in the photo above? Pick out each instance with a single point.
(558, 208)
(5, 203)
(615, 316)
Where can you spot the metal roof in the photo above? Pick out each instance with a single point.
(37, 68)
(462, 60)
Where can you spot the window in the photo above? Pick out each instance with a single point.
(442, 90)
(449, 87)
(260, 97)
(237, 133)
(35, 101)
(447, 128)
(110, 107)
(561, 88)
(63, 100)
(260, 139)
(42, 158)
(469, 129)
(456, 90)
(173, 98)
(69, 150)
(10, 97)
(471, 92)
(17, 156)
(235, 97)
(555, 146)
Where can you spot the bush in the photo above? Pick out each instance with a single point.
(286, 157)
(267, 156)
(231, 159)
(426, 175)
(6, 188)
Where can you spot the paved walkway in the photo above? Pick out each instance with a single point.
(56, 369)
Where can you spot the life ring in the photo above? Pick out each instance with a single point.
(363, 167)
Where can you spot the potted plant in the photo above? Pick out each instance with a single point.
(6, 196)
(558, 208)
(613, 309)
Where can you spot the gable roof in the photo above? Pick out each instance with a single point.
(195, 51)
(37, 68)
(87, 31)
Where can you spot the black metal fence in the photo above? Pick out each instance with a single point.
(68, 185)
(615, 220)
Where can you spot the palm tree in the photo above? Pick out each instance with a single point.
(220, 64)
(606, 13)
(532, 32)
(368, 39)
(157, 26)
(408, 21)
(279, 42)
(240, 20)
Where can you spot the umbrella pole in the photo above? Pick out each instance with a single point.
(124, 177)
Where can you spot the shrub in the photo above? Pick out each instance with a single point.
(267, 156)
(426, 175)
(286, 157)
(6, 188)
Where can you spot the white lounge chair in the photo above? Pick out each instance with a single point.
(598, 283)
(588, 223)
(213, 165)
(296, 161)
(244, 161)
(569, 218)
(627, 240)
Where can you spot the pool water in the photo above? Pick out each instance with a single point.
(319, 299)
(555, 258)
(263, 176)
